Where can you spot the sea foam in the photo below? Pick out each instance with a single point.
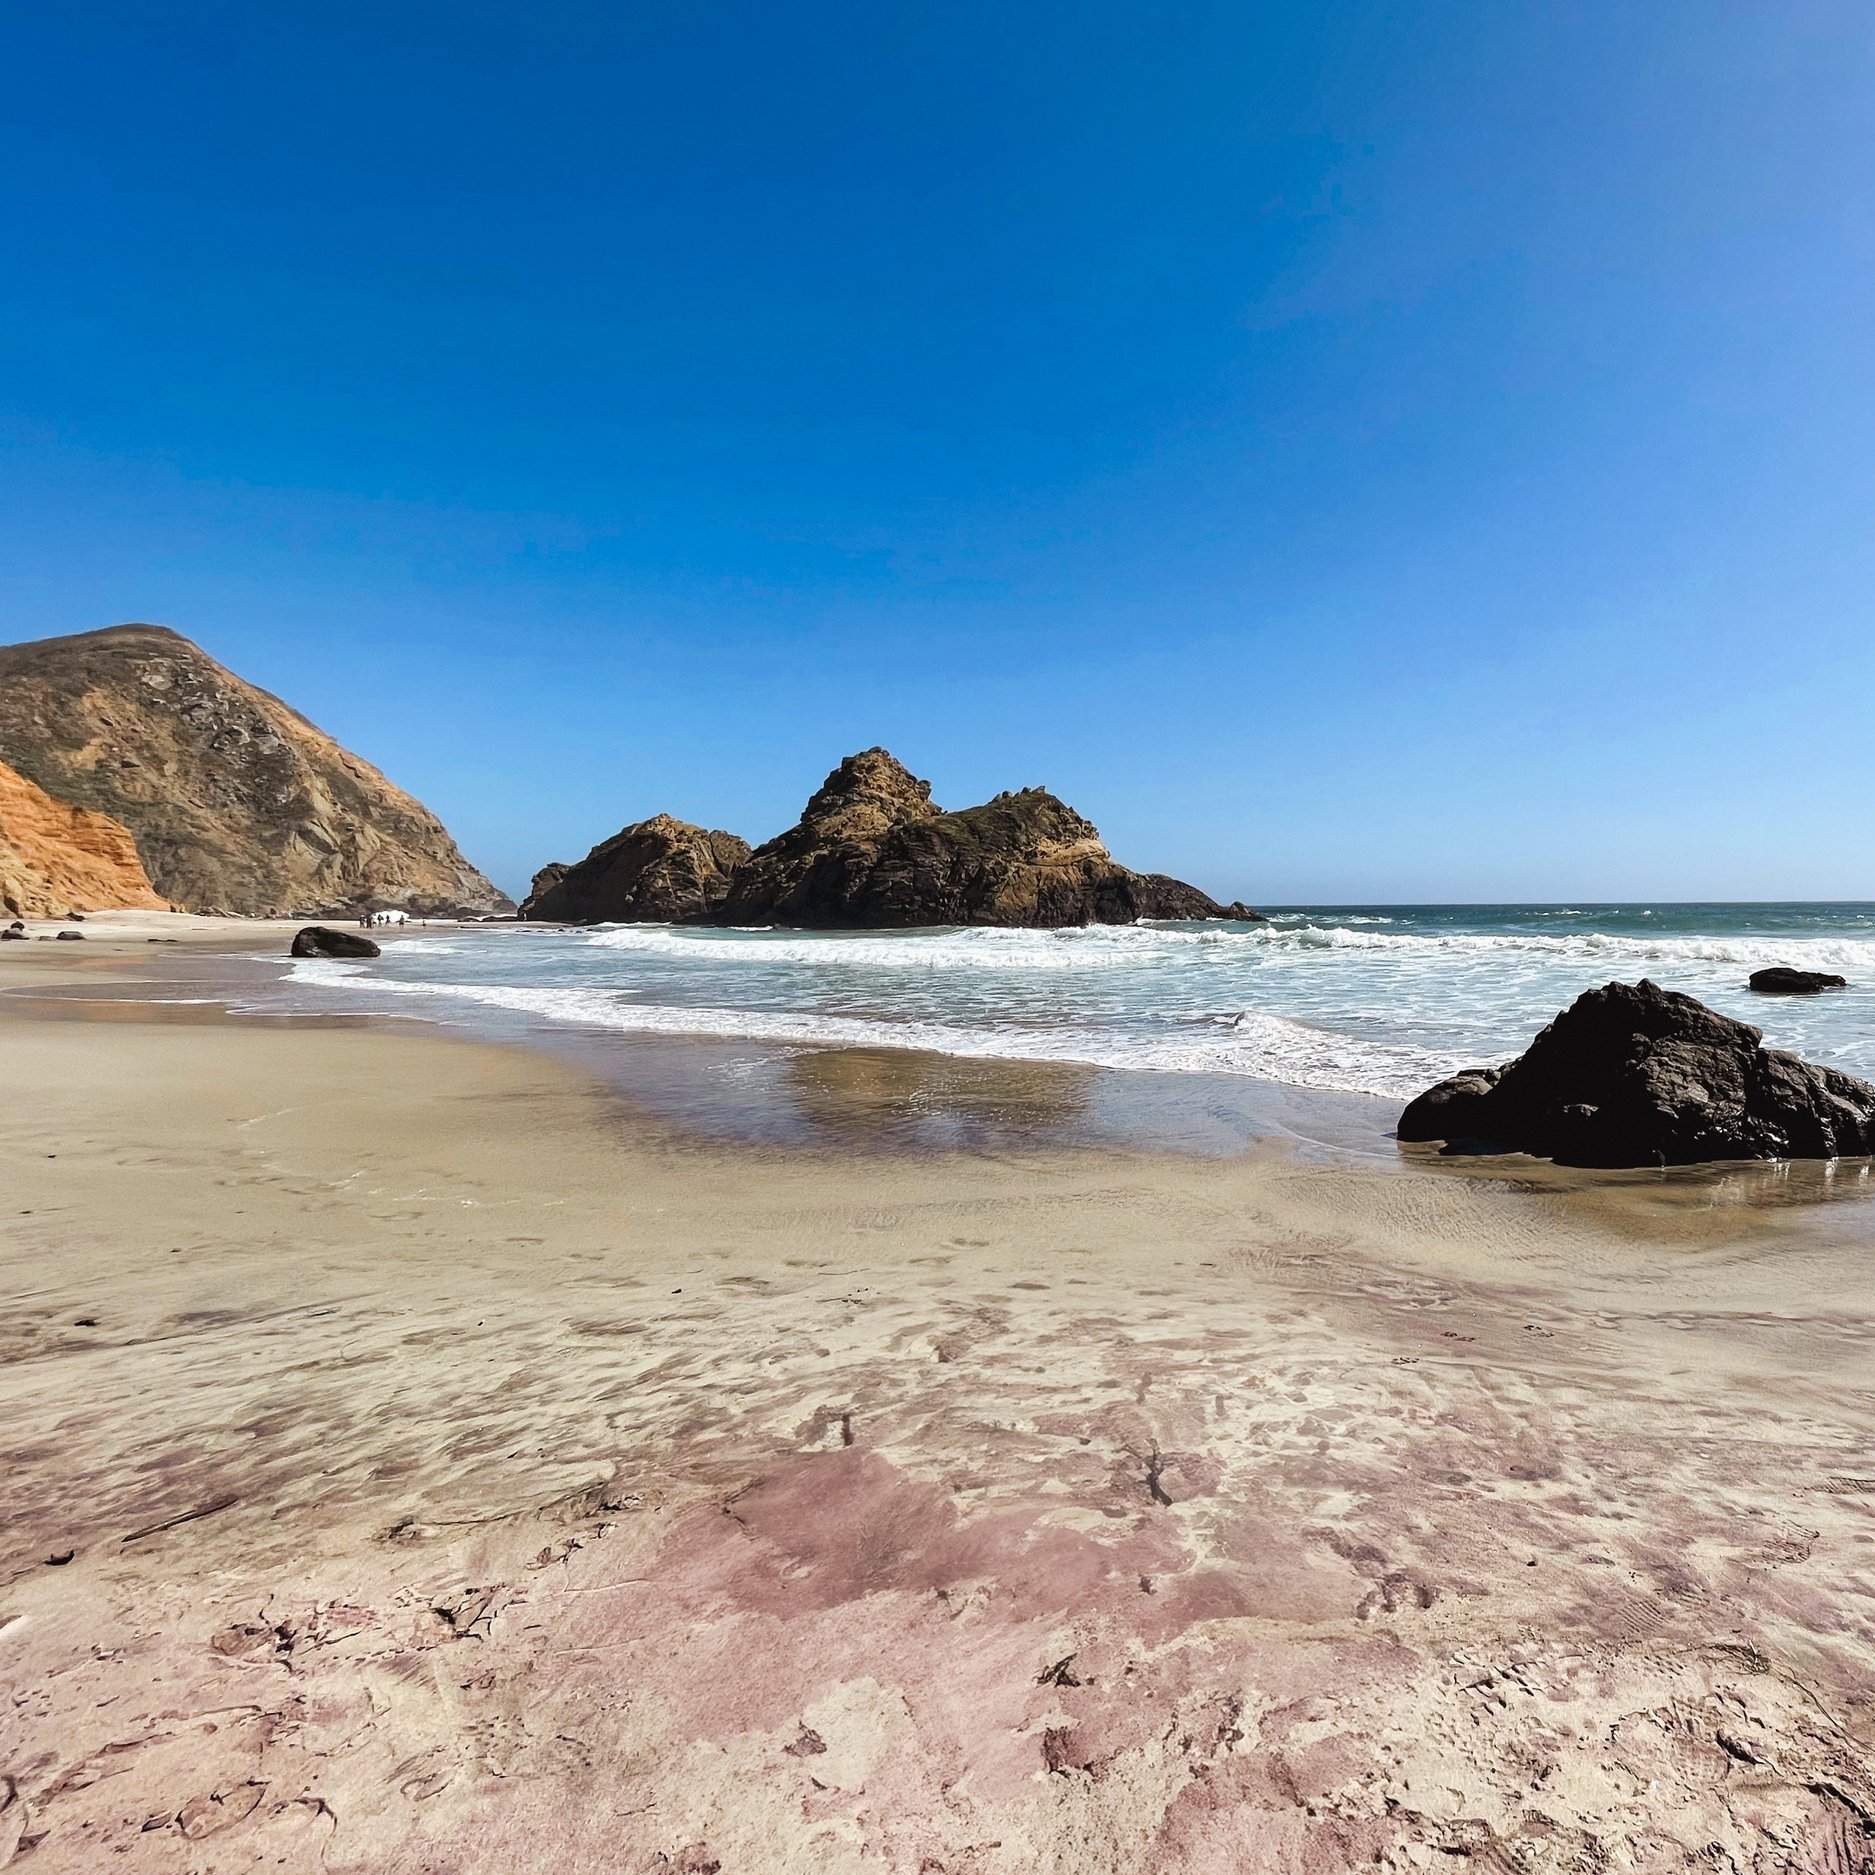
(1369, 1000)
(1247, 1042)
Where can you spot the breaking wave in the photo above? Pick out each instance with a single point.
(1615, 950)
(1248, 1042)
(1366, 1000)
(1100, 947)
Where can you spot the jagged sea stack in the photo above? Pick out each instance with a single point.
(872, 850)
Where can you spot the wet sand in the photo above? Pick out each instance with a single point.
(420, 1457)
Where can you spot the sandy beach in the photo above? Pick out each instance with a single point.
(422, 1458)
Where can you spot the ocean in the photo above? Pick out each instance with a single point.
(1354, 999)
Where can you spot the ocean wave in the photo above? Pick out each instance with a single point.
(1246, 1042)
(1339, 1000)
(1111, 947)
(1601, 947)
(1080, 947)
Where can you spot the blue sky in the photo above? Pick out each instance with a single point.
(1351, 451)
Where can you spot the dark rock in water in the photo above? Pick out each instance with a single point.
(1632, 1074)
(872, 850)
(1782, 980)
(13, 931)
(1241, 913)
(659, 871)
(319, 940)
(71, 937)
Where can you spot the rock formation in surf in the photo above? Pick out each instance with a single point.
(872, 850)
(657, 871)
(1632, 1075)
(237, 803)
(1783, 980)
(56, 859)
(317, 940)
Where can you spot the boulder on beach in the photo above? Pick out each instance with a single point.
(1634, 1075)
(657, 871)
(318, 940)
(872, 850)
(1782, 980)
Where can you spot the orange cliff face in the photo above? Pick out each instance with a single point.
(56, 859)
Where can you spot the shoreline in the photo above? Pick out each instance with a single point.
(460, 1467)
(794, 1095)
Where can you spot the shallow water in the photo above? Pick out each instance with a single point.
(1373, 1000)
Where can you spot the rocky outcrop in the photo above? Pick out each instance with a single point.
(658, 871)
(1632, 1075)
(236, 802)
(1782, 980)
(872, 850)
(318, 940)
(56, 859)
(543, 882)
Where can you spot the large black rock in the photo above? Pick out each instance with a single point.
(1632, 1074)
(318, 940)
(1782, 980)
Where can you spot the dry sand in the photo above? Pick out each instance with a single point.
(417, 1460)
(122, 932)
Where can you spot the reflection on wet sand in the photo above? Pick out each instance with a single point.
(1713, 1203)
(93, 1004)
(933, 1101)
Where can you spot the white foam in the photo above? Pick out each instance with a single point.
(1094, 947)
(1103, 947)
(1249, 1042)
(1342, 1001)
(1596, 947)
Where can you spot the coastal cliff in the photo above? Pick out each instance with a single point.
(56, 859)
(236, 802)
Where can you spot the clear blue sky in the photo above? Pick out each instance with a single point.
(1352, 451)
